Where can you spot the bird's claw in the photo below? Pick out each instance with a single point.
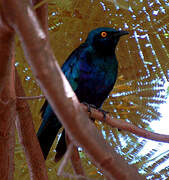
(89, 106)
(103, 112)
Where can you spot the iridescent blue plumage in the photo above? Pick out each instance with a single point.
(91, 69)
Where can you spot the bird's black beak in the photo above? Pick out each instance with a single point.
(120, 33)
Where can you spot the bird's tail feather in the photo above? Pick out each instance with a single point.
(61, 147)
(47, 134)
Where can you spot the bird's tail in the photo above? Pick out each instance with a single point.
(47, 134)
(61, 147)
(48, 131)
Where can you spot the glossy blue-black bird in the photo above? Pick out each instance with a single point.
(91, 70)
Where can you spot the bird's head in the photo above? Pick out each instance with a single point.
(105, 39)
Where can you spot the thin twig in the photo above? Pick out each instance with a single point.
(65, 160)
(31, 97)
(70, 176)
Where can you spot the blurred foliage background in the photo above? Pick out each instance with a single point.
(141, 92)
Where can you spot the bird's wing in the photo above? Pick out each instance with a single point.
(43, 108)
(72, 66)
(71, 69)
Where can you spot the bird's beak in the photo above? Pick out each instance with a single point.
(120, 33)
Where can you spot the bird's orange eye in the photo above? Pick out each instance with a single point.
(103, 34)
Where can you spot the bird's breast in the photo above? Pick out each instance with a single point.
(95, 83)
(100, 73)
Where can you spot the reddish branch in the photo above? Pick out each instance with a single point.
(7, 101)
(24, 123)
(75, 160)
(42, 14)
(121, 124)
(27, 136)
(73, 155)
(76, 163)
(117, 123)
(36, 47)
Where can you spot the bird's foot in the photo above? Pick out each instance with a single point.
(89, 106)
(103, 112)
